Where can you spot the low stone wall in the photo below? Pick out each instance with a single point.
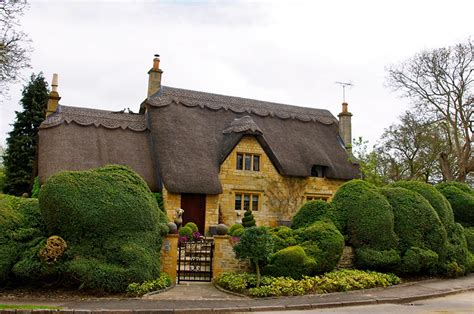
(169, 255)
(224, 257)
(347, 259)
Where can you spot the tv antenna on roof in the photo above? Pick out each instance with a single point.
(344, 85)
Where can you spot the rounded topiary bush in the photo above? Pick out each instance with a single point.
(419, 260)
(461, 198)
(290, 262)
(364, 215)
(380, 260)
(111, 223)
(283, 237)
(234, 228)
(434, 197)
(186, 231)
(469, 234)
(311, 212)
(456, 250)
(76, 204)
(416, 222)
(323, 242)
(21, 229)
(192, 226)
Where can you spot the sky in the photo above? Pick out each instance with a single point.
(290, 52)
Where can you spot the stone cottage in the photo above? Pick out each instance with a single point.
(212, 155)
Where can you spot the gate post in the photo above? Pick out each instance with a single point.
(169, 255)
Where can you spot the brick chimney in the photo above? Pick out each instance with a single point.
(154, 77)
(345, 127)
(53, 98)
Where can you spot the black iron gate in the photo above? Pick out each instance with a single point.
(195, 260)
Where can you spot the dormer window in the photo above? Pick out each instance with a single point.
(317, 171)
(247, 161)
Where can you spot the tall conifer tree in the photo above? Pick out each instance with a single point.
(20, 154)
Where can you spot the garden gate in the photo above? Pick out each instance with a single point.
(195, 260)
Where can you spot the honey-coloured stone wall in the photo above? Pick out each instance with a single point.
(224, 257)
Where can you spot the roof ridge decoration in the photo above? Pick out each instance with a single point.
(102, 118)
(241, 125)
(190, 98)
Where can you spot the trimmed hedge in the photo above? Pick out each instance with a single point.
(364, 215)
(283, 237)
(418, 260)
(416, 222)
(461, 198)
(111, 222)
(290, 262)
(380, 260)
(234, 228)
(311, 212)
(434, 197)
(324, 243)
(469, 234)
(21, 229)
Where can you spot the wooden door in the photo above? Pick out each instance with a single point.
(194, 206)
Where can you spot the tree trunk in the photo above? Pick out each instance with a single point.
(257, 268)
(445, 168)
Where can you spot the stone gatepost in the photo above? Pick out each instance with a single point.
(169, 255)
(224, 257)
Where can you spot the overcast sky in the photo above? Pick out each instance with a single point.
(290, 52)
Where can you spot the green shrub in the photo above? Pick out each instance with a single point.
(469, 234)
(342, 280)
(233, 228)
(36, 188)
(21, 227)
(238, 232)
(159, 200)
(457, 246)
(248, 221)
(367, 258)
(256, 245)
(283, 237)
(418, 260)
(290, 262)
(434, 197)
(461, 198)
(192, 226)
(324, 243)
(186, 231)
(454, 270)
(75, 204)
(111, 222)
(311, 212)
(364, 215)
(139, 289)
(470, 259)
(416, 222)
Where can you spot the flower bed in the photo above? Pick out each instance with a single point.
(137, 289)
(336, 281)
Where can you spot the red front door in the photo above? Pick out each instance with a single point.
(194, 206)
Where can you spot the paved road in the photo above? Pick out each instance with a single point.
(456, 303)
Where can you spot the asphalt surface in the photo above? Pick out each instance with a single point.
(205, 298)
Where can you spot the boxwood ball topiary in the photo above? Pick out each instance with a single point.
(186, 231)
(461, 198)
(311, 212)
(192, 226)
(364, 215)
(290, 262)
(111, 223)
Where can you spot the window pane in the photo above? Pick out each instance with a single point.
(256, 163)
(238, 201)
(254, 202)
(240, 162)
(248, 161)
(246, 201)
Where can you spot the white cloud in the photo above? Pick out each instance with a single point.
(285, 51)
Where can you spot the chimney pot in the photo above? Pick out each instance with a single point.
(54, 83)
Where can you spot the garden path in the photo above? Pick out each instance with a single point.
(193, 291)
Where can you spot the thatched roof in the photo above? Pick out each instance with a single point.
(193, 132)
(80, 138)
(184, 136)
